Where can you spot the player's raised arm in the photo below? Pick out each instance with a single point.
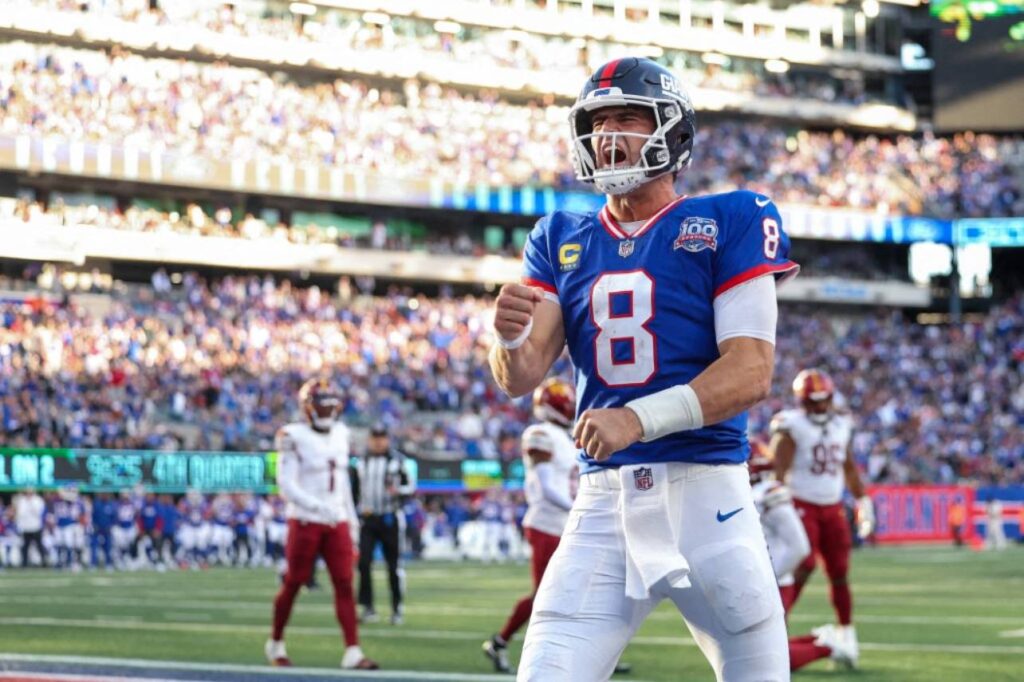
(529, 338)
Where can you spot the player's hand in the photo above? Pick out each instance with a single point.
(601, 433)
(514, 309)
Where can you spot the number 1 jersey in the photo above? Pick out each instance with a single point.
(638, 309)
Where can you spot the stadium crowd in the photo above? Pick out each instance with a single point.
(385, 41)
(216, 365)
(426, 130)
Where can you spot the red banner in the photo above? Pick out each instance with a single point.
(920, 513)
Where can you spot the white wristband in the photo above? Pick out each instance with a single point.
(668, 411)
(516, 342)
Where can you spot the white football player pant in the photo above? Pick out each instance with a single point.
(582, 619)
(71, 537)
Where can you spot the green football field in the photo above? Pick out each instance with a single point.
(923, 614)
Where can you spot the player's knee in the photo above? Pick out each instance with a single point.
(547, 654)
(764, 667)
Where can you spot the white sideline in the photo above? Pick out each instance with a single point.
(115, 624)
(382, 675)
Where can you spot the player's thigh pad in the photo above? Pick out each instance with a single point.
(582, 619)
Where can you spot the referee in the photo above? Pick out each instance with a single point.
(380, 486)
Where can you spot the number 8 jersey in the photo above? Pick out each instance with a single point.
(817, 475)
(638, 309)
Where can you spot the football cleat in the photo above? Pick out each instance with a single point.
(622, 668)
(398, 617)
(368, 616)
(355, 659)
(497, 650)
(276, 654)
(834, 639)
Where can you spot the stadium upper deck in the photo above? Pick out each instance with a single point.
(824, 64)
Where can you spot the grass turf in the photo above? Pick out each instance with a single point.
(923, 614)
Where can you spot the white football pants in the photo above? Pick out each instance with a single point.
(582, 619)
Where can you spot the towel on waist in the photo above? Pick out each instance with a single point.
(651, 530)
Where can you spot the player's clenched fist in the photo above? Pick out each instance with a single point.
(514, 310)
(602, 433)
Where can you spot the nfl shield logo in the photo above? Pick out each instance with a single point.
(643, 478)
(626, 248)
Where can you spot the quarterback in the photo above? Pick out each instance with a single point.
(322, 522)
(668, 308)
(811, 449)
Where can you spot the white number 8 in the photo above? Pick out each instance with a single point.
(771, 238)
(624, 328)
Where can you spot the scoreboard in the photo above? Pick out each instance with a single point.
(978, 48)
(113, 470)
(176, 472)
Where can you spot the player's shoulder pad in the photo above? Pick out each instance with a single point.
(777, 494)
(536, 437)
(783, 421)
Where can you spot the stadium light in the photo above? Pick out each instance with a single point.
(776, 65)
(871, 8)
(303, 8)
(714, 58)
(445, 26)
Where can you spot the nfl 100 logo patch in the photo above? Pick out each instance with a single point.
(697, 234)
(643, 478)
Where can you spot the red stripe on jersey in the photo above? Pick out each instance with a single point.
(789, 267)
(615, 230)
(530, 282)
(607, 73)
(609, 223)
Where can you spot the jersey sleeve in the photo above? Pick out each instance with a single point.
(754, 244)
(537, 268)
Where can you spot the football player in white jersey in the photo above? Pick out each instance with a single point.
(312, 474)
(811, 446)
(788, 546)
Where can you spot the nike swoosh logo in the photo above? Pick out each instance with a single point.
(761, 202)
(725, 517)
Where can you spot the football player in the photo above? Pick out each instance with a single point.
(313, 459)
(668, 307)
(70, 515)
(811, 447)
(788, 546)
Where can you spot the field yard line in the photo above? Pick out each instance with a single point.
(380, 675)
(951, 621)
(424, 609)
(1012, 633)
(451, 634)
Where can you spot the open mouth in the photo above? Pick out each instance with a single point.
(613, 156)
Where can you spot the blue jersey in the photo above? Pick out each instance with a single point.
(150, 515)
(194, 513)
(104, 512)
(68, 512)
(125, 514)
(638, 309)
(168, 514)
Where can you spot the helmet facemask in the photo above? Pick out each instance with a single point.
(655, 154)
